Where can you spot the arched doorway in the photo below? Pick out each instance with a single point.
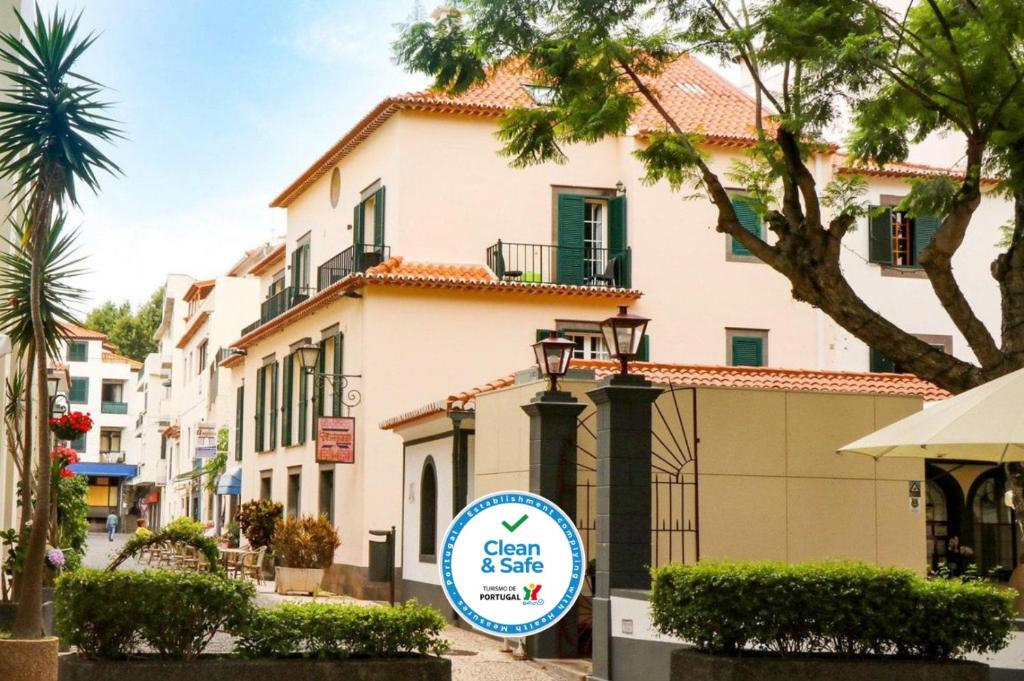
(943, 505)
(993, 524)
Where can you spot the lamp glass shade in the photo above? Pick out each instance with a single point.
(309, 355)
(53, 384)
(553, 355)
(623, 333)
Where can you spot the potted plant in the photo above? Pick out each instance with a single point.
(256, 521)
(231, 534)
(71, 426)
(304, 548)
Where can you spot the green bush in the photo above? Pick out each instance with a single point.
(307, 542)
(338, 631)
(186, 526)
(109, 615)
(839, 607)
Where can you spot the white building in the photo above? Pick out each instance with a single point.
(100, 385)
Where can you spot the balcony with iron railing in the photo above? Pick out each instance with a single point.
(274, 306)
(111, 407)
(111, 457)
(552, 264)
(355, 258)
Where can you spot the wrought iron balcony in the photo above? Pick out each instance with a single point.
(551, 264)
(109, 407)
(275, 305)
(355, 258)
(111, 457)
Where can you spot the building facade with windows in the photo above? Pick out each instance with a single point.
(418, 262)
(100, 384)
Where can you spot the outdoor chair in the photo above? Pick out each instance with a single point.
(252, 565)
(610, 275)
(501, 272)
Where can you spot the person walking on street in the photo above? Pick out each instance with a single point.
(111, 526)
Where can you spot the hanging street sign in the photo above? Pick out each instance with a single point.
(336, 439)
(512, 563)
(206, 441)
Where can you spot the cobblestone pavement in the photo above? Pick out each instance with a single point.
(474, 657)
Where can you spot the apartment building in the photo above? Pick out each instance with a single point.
(188, 397)
(419, 262)
(100, 384)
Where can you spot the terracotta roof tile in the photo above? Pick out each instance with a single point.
(698, 99)
(273, 257)
(81, 333)
(700, 376)
(843, 165)
(199, 289)
(114, 357)
(398, 267)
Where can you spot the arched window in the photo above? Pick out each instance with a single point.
(428, 511)
(995, 538)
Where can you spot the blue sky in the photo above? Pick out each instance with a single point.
(223, 102)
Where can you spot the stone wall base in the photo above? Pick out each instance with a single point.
(411, 668)
(352, 580)
(690, 665)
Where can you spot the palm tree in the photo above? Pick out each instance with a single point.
(49, 125)
(59, 298)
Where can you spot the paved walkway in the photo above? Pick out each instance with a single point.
(474, 657)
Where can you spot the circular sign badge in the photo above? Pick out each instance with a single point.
(512, 563)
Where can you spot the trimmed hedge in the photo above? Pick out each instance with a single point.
(838, 607)
(323, 630)
(109, 615)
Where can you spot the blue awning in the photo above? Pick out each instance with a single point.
(105, 470)
(230, 482)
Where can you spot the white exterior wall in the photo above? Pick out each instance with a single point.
(413, 568)
(98, 371)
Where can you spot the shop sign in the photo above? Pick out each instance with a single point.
(336, 439)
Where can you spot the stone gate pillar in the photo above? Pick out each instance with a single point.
(623, 500)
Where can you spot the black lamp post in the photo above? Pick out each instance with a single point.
(309, 358)
(623, 334)
(553, 355)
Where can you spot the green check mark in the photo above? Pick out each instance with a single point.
(515, 526)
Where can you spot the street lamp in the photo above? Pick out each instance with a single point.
(309, 359)
(622, 336)
(553, 356)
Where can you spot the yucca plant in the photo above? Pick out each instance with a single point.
(50, 122)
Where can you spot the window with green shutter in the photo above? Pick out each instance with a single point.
(239, 420)
(747, 351)
(321, 368)
(78, 444)
(336, 386)
(286, 399)
(370, 208)
(894, 238)
(273, 403)
(751, 222)
(78, 351)
(261, 406)
(925, 227)
(644, 351)
(79, 393)
(303, 406)
(569, 260)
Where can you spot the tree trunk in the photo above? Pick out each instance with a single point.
(28, 623)
(26, 448)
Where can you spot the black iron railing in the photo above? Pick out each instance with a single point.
(550, 264)
(275, 305)
(355, 258)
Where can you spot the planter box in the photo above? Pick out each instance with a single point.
(409, 668)
(297, 580)
(690, 665)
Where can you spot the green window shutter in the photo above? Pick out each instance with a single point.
(321, 368)
(751, 222)
(357, 224)
(296, 260)
(378, 218)
(78, 444)
(239, 420)
(336, 387)
(925, 227)
(78, 351)
(880, 236)
(261, 404)
(273, 405)
(879, 363)
(570, 239)
(643, 353)
(303, 406)
(79, 393)
(618, 239)
(286, 426)
(747, 351)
